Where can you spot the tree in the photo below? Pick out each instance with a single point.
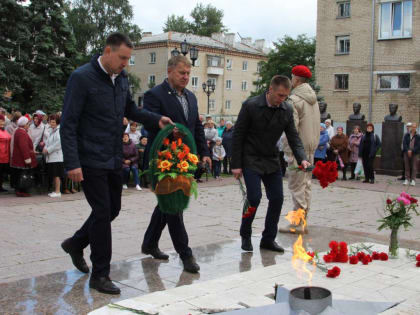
(177, 24)
(288, 52)
(93, 20)
(205, 21)
(42, 51)
(14, 47)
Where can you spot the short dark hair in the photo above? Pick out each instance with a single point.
(55, 117)
(115, 40)
(282, 80)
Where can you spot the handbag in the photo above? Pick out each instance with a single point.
(39, 147)
(26, 179)
(359, 168)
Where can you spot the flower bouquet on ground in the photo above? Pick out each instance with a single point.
(326, 172)
(172, 166)
(398, 213)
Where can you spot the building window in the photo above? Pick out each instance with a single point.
(343, 45)
(343, 9)
(227, 104)
(132, 60)
(394, 81)
(212, 104)
(214, 61)
(341, 81)
(153, 57)
(259, 66)
(228, 64)
(152, 79)
(194, 82)
(212, 81)
(244, 65)
(396, 19)
(228, 84)
(244, 85)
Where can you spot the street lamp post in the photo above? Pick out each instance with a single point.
(185, 48)
(208, 89)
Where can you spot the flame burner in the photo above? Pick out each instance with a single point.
(310, 299)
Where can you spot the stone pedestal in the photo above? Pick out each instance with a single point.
(391, 159)
(351, 123)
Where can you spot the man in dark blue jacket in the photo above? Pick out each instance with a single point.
(97, 98)
(172, 99)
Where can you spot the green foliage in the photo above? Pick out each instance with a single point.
(397, 214)
(177, 24)
(40, 54)
(93, 20)
(205, 21)
(134, 82)
(287, 53)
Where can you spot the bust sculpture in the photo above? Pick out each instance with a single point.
(356, 112)
(323, 111)
(393, 113)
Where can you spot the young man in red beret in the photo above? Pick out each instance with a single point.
(307, 119)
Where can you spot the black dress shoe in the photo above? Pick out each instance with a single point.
(190, 265)
(155, 252)
(247, 244)
(272, 246)
(104, 285)
(366, 181)
(76, 256)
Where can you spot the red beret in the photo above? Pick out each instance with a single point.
(302, 71)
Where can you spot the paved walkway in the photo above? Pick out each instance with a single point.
(32, 228)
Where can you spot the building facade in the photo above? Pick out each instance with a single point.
(368, 51)
(232, 66)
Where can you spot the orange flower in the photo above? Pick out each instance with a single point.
(179, 141)
(181, 155)
(166, 141)
(193, 158)
(186, 149)
(165, 165)
(183, 166)
(168, 155)
(173, 146)
(160, 154)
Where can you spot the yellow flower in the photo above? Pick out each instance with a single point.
(183, 166)
(165, 165)
(193, 158)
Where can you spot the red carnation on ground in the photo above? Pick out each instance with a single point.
(327, 258)
(384, 256)
(376, 256)
(334, 272)
(354, 260)
(366, 260)
(334, 246)
(361, 255)
(312, 254)
(418, 257)
(418, 264)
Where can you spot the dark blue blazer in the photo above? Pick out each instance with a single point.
(163, 101)
(92, 121)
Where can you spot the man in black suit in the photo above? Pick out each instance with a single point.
(261, 122)
(172, 99)
(97, 98)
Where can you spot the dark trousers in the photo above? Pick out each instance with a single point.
(273, 184)
(102, 189)
(176, 228)
(352, 168)
(368, 168)
(227, 165)
(3, 172)
(217, 166)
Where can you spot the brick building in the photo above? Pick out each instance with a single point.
(368, 51)
(231, 65)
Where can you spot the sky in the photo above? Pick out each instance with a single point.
(259, 19)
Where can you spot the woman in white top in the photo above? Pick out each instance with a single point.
(54, 155)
